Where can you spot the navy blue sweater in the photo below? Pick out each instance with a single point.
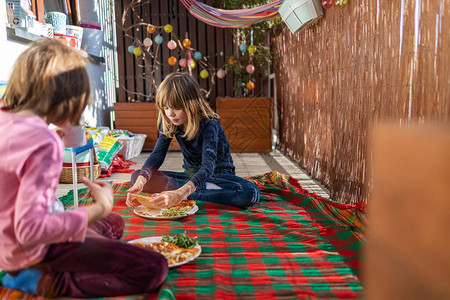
(206, 154)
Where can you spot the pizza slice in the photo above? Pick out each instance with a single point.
(145, 200)
(171, 252)
(186, 204)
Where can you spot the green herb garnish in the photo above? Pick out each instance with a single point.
(181, 240)
(173, 212)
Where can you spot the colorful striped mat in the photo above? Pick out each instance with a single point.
(292, 245)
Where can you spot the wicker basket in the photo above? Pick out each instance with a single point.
(82, 171)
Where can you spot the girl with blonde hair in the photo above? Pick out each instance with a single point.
(46, 251)
(209, 172)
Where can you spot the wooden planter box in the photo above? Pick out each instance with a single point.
(247, 123)
(140, 118)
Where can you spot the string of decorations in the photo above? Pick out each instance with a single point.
(183, 55)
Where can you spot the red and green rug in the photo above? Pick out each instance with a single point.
(291, 245)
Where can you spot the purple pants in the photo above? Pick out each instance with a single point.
(101, 266)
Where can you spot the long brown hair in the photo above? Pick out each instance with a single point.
(180, 90)
(50, 79)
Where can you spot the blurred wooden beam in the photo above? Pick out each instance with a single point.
(409, 213)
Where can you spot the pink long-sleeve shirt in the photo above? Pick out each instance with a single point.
(30, 164)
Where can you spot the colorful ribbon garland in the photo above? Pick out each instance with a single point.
(232, 18)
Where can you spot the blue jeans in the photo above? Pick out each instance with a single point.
(235, 191)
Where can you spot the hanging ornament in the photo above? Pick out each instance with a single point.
(182, 62)
(204, 74)
(168, 28)
(250, 85)
(150, 29)
(171, 44)
(172, 61)
(198, 55)
(148, 42)
(191, 64)
(327, 3)
(231, 60)
(131, 49)
(221, 73)
(250, 68)
(158, 39)
(243, 47)
(251, 49)
(341, 3)
(137, 51)
(187, 43)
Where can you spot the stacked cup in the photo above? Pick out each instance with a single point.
(76, 35)
(92, 37)
(58, 21)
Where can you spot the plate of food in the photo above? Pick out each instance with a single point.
(181, 210)
(178, 250)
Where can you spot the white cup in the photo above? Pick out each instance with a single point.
(74, 136)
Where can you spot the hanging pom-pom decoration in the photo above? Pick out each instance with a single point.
(131, 49)
(243, 47)
(204, 74)
(341, 3)
(158, 39)
(221, 73)
(250, 85)
(231, 60)
(172, 61)
(150, 29)
(250, 68)
(168, 28)
(182, 62)
(251, 49)
(171, 44)
(327, 3)
(191, 64)
(137, 51)
(187, 43)
(198, 55)
(148, 42)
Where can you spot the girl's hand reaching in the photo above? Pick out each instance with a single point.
(171, 198)
(135, 189)
(103, 195)
(167, 199)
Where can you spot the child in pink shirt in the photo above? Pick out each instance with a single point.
(73, 253)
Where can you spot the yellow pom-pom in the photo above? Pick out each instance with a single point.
(191, 64)
(251, 49)
(168, 28)
(137, 51)
(204, 74)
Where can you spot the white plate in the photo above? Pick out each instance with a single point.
(152, 214)
(154, 239)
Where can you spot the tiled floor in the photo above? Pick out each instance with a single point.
(247, 164)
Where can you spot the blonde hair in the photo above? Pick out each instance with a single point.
(181, 91)
(50, 79)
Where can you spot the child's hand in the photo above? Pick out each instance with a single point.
(135, 189)
(171, 198)
(167, 199)
(103, 195)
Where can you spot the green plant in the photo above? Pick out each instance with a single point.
(257, 35)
